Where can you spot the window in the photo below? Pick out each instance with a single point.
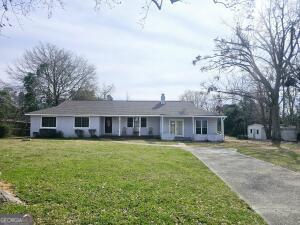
(257, 131)
(198, 127)
(201, 126)
(49, 122)
(251, 131)
(82, 121)
(130, 122)
(143, 122)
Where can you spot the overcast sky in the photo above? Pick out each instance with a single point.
(143, 62)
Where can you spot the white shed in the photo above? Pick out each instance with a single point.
(256, 131)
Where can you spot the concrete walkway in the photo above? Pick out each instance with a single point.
(272, 191)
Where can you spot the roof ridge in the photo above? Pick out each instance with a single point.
(125, 101)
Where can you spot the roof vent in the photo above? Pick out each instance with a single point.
(162, 99)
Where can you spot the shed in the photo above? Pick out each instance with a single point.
(256, 131)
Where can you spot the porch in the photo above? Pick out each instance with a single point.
(167, 128)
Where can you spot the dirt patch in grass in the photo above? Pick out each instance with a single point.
(6, 187)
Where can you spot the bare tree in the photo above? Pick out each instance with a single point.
(11, 11)
(105, 92)
(199, 98)
(265, 52)
(60, 74)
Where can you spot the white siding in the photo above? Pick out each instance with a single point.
(212, 129)
(35, 123)
(261, 135)
(66, 125)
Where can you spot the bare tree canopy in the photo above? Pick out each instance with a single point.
(265, 52)
(13, 10)
(202, 100)
(60, 73)
(106, 91)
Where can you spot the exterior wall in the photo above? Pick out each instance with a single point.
(115, 126)
(35, 123)
(187, 128)
(66, 125)
(152, 122)
(212, 129)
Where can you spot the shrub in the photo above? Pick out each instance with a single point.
(242, 137)
(79, 133)
(4, 131)
(36, 134)
(92, 133)
(20, 132)
(50, 133)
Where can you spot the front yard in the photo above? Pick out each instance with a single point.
(101, 182)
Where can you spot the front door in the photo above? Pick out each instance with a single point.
(108, 125)
(176, 127)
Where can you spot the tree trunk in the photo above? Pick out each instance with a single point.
(276, 136)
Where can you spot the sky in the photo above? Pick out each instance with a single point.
(141, 61)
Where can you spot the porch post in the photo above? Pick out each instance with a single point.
(193, 118)
(222, 127)
(162, 126)
(139, 126)
(119, 125)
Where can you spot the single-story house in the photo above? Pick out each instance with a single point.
(257, 131)
(168, 120)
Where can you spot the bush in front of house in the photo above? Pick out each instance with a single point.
(4, 131)
(92, 133)
(79, 133)
(50, 133)
(242, 137)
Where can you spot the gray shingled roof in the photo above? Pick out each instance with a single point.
(124, 108)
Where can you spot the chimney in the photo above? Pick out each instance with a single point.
(162, 99)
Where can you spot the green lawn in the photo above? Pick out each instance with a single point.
(94, 182)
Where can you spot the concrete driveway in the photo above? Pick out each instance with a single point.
(272, 191)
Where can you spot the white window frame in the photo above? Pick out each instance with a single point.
(41, 123)
(182, 120)
(146, 122)
(201, 122)
(132, 122)
(82, 127)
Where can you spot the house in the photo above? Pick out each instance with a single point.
(168, 120)
(257, 131)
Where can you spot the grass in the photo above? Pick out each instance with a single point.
(94, 182)
(286, 155)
